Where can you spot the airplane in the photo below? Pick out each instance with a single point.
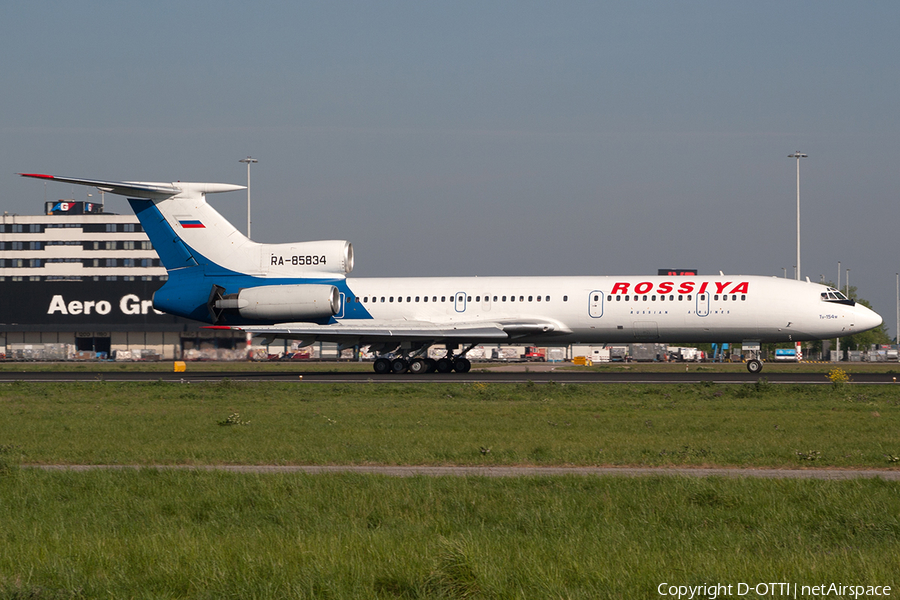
(300, 291)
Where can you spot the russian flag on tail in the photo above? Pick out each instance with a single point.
(191, 224)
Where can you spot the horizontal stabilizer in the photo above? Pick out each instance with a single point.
(143, 189)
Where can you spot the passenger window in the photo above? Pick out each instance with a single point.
(671, 297)
(743, 297)
(512, 298)
(547, 299)
(596, 297)
(504, 298)
(530, 298)
(443, 298)
(609, 298)
(382, 298)
(538, 298)
(495, 298)
(565, 298)
(645, 297)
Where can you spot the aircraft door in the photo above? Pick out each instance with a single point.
(460, 302)
(595, 304)
(703, 304)
(340, 312)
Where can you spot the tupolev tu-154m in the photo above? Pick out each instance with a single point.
(300, 291)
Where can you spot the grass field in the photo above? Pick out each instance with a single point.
(760, 425)
(153, 534)
(176, 534)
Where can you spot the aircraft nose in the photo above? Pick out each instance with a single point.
(867, 319)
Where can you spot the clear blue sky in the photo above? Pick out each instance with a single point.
(484, 138)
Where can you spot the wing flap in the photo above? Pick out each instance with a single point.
(380, 330)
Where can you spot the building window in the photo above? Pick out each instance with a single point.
(110, 245)
(110, 227)
(127, 245)
(110, 262)
(128, 227)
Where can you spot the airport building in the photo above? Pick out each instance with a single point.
(77, 283)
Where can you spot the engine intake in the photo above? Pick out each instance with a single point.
(280, 303)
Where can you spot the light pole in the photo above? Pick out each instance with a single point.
(249, 161)
(837, 341)
(798, 156)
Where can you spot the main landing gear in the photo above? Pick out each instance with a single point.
(419, 366)
(754, 365)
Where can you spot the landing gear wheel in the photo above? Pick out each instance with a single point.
(382, 366)
(430, 365)
(444, 365)
(462, 365)
(417, 366)
(754, 366)
(398, 365)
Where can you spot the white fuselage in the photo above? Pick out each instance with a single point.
(617, 309)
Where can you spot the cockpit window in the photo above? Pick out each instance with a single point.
(833, 295)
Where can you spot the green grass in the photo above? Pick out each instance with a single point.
(166, 534)
(760, 425)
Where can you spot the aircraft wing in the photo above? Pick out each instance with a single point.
(399, 330)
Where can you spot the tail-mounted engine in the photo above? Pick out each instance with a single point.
(307, 258)
(277, 303)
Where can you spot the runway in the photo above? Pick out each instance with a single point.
(521, 375)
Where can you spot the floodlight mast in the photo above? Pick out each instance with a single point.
(798, 156)
(248, 160)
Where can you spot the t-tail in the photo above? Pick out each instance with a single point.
(213, 267)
